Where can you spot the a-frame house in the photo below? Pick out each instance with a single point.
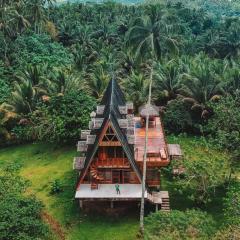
(111, 153)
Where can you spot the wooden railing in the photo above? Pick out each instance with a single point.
(113, 162)
(123, 109)
(84, 134)
(100, 109)
(153, 182)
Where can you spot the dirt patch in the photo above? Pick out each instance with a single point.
(54, 225)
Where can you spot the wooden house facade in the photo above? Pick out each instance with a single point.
(111, 152)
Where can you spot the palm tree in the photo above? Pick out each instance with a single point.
(202, 83)
(23, 98)
(64, 81)
(168, 79)
(34, 75)
(148, 37)
(21, 22)
(136, 88)
(232, 78)
(36, 10)
(97, 81)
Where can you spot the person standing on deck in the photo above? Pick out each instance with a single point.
(117, 188)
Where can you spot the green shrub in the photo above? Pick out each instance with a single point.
(59, 120)
(232, 204)
(39, 49)
(192, 224)
(177, 118)
(20, 215)
(224, 126)
(56, 187)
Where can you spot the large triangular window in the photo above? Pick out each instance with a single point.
(109, 135)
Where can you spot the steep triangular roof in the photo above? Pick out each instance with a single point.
(113, 97)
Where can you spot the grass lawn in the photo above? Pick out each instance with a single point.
(44, 163)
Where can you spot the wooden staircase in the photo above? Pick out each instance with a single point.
(96, 177)
(165, 206)
(95, 174)
(160, 198)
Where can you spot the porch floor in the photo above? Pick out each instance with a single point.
(127, 192)
(108, 191)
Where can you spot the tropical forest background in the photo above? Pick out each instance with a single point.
(55, 63)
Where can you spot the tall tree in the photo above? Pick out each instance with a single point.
(146, 39)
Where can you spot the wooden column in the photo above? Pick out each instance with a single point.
(81, 204)
(111, 204)
(156, 207)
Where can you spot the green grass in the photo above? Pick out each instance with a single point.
(44, 163)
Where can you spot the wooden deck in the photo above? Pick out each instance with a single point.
(127, 192)
(157, 153)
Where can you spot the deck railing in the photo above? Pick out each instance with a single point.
(123, 123)
(91, 139)
(100, 109)
(112, 162)
(78, 163)
(129, 105)
(84, 134)
(123, 109)
(97, 122)
(155, 182)
(82, 146)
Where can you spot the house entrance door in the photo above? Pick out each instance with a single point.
(120, 176)
(116, 176)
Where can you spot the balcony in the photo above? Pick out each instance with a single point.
(123, 109)
(100, 109)
(78, 163)
(91, 124)
(131, 139)
(82, 146)
(84, 134)
(130, 131)
(123, 123)
(129, 106)
(97, 123)
(113, 163)
(91, 139)
(130, 119)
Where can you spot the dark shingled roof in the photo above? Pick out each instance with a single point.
(113, 97)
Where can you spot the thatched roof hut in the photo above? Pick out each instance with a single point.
(151, 110)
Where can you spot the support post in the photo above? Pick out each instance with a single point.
(81, 204)
(111, 204)
(156, 207)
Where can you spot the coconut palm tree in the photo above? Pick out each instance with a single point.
(136, 87)
(23, 99)
(232, 78)
(202, 83)
(36, 10)
(34, 75)
(97, 81)
(150, 36)
(147, 38)
(167, 79)
(64, 81)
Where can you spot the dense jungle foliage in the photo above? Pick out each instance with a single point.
(56, 61)
(57, 53)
